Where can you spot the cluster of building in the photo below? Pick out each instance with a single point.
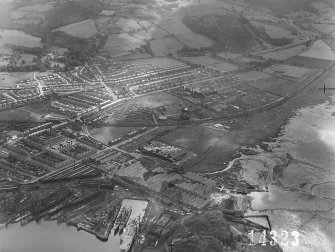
(86, 104)
(130, 113)
(214, 86)
(165, 151)
(190, 189)
(44, 148)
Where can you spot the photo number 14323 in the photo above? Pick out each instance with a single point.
(264, 237)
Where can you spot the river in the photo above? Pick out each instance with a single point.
(52, 237)
(301, 196)
(47, 236)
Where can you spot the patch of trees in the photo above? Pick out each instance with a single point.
(231, 33)
(22, 68)
(279, 41)
(27, 50)
(75, 57)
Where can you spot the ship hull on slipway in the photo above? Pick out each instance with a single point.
(124, 220)
(129, 237)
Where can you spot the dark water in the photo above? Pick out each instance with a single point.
(304, 199)
(53, 237)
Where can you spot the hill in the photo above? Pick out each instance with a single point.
(230, 32)
(211, 231)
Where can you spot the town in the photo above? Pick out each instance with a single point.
(166, 125)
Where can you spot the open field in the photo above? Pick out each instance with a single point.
(156, 33)
(324, 28)
(164, 46)
(275, 85)
(291, 72)
(225, 67)
(195, 40)
(309, 62)
(18, 38)
(275, 31)
(284, 54)
(156, 100)
(28, 13)
(10, 79)
(128, 25)
(229, 31)
(41, 108)
(161, 62)
(18, 115)
(104, 134)
(202, 60)
(120, 44)
(174, 25)
(253, 75)
(83, 29)
(319, 50)
(139, 34)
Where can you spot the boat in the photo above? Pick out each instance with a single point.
(119, 217)
(129, 237)
(124, 220)
(116, 230)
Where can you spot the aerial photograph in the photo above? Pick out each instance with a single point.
(167, 125)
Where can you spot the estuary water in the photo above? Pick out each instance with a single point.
(301, 194)
(50, 236)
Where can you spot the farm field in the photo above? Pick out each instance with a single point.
(309, 62)
(161, 62)
(324, 28)
(157, 100)
(139, 34)
(19, 115)
(195, 40)
(10, 79)
(120, 44)
(275, 31)
(83, 29)
(18, 38)
(28, 58)
(202, 60)
(32, 11)
(128, 25)
(212, 144)
(164, 46)
(253, 75)
(230, 55)
(104, 134)
(284, 54)
(225, 67)
(319, 50)
(291, 72)
(174, 25)
(40, 108)
(156, 33)
(275, 85)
